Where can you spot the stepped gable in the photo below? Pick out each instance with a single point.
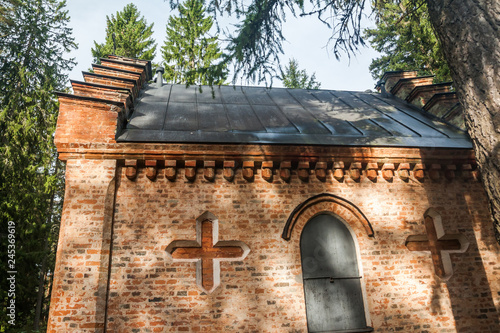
(392, 77)
(420, 95)
(113, 86)
(404, 87)
(435, 100)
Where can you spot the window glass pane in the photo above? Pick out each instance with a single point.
(327, 249)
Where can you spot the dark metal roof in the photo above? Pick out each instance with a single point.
(174, 113)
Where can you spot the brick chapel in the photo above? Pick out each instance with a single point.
(246, 209)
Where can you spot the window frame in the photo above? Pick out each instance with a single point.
(359, 267)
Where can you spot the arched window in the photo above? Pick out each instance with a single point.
(332, 281)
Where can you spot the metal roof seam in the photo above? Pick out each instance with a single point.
(166, 110)
(308, 111)
(224, 107)
(387, 115)
(415, 118)
(253, 110)
(282, 112)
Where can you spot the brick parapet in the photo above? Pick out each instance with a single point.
(420, 95)
(113, 81)
(100, 106)
(455, 116)
(120, 73)
(86, 120)
(405, 86)
(391, 78)
(135, 65)
(438, 100)
(102, 91)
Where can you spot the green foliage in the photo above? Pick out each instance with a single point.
(293, 77)
(32, 66)
(405, 38)
(190, 55)
(132, 36)
(256, 45)
(6, 16)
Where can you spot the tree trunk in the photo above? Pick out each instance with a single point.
(469, 32)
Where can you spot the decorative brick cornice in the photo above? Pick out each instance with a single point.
(324, 171)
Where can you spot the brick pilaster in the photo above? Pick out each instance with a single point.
(81, 275)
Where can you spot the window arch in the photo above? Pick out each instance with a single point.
(332, 280)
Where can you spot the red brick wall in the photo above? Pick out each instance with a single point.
(82, 121)
(263, 292)
(81, 275)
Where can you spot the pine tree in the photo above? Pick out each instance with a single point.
(190, 55)
(407, 42)
(6, 19)
(293, 77)
(131, 34)
(32, 66)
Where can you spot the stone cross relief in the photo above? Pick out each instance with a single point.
(439, 244)
(207, 251)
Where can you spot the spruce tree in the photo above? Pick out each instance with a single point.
(407, 42)
(190, 55)
(132, 36)
(296, 78)
(32, 66)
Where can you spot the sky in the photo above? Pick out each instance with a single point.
(306, 41)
